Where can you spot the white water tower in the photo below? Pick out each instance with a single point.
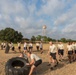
(44, 30)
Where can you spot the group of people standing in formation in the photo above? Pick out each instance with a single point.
(26, 46)
(29, 47)
(7, 47)
(55, 53)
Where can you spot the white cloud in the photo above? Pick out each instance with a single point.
(68, 20)
(0, 16)
(51, 7)
(12, 7)
(70, 28)
(65, 17)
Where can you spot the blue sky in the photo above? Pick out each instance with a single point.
(28, 17)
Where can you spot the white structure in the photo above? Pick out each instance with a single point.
(44, 30)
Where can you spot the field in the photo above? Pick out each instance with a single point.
(64, 68)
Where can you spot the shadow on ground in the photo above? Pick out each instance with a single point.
(43, 68)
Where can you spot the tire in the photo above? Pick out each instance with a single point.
(17, 66)
(7, 49)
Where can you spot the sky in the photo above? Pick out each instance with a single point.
(29, 16)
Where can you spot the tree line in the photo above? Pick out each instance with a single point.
(47, 39)
(11, 35)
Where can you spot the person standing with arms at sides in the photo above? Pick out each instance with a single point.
(70, 51)
(60, 51)
(75, 52)
(1, 46)
(19, 46)
(52, 51)
(25, 47)
(37, 46)
(41, 47)
(30, 47)
(4, 45)
(35, 62)
(74, 49)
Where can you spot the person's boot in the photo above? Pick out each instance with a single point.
(52, 66)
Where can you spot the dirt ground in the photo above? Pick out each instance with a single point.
(64, 68)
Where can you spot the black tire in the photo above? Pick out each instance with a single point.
(10, 67)
(7, 49)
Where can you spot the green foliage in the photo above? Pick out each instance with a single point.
(41, 38)
(10, 35)
(38, 38)
(47, 39)
(66, 40)
(63, 40)
(33, 38)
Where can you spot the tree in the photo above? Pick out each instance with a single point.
(63, 40)
(54, 40)
(41, 38)
(10, 35)
(49, 39)
(33, 38)
(38, 38)
(45, 38)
